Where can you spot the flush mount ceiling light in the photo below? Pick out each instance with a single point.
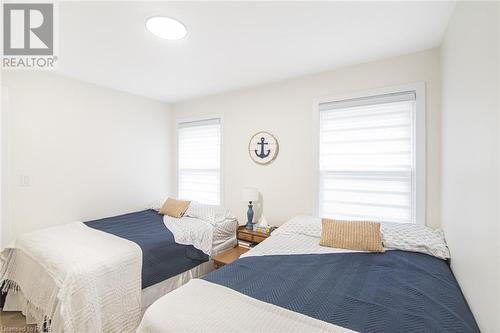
(166, 27)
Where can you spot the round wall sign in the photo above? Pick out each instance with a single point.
(263, 148)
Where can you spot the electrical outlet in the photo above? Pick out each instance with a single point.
(25, 181)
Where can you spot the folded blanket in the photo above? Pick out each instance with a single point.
(191, 231)
(91, 278)
(203, 226)
(202, 306)
(201, 234)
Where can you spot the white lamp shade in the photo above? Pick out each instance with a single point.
(250, 194)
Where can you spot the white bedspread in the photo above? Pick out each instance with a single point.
(92, 278)
(202, 306)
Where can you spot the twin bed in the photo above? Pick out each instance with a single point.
(100, 276)
(289, 283)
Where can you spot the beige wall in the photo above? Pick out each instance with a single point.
(470, 164)
(89, 152)
(285, 109)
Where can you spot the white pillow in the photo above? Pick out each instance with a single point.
(301, 225)
(414, 238)
(156, 205)
(210, 213)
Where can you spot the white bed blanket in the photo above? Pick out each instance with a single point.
(204, 234)
(92, 278)
(202, 306)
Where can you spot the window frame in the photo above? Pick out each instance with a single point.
(419, 144)
(179, 121)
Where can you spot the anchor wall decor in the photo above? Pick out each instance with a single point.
(263, 148)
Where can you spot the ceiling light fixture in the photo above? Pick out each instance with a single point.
(166, 27)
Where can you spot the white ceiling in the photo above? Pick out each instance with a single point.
(231, 45)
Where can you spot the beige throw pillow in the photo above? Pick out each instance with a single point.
(174, 208)
(351, 235)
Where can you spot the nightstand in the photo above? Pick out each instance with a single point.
(227, 257)
(251, 236)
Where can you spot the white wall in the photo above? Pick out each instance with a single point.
(470, 143)
(285, 109)
(89, 152)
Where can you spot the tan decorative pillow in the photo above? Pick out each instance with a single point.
(174, 208)
(351, 235)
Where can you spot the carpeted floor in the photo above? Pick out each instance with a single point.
(14, 322)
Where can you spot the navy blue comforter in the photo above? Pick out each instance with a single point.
(395, 291)
(162, 257)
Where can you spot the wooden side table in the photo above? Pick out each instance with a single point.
(251, 236)
(227, 257)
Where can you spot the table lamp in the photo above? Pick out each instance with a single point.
(251, 195)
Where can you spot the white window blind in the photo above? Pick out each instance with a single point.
(199, 146)
(367, 158)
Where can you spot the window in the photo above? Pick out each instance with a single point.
(199, 147)
(367, 158)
